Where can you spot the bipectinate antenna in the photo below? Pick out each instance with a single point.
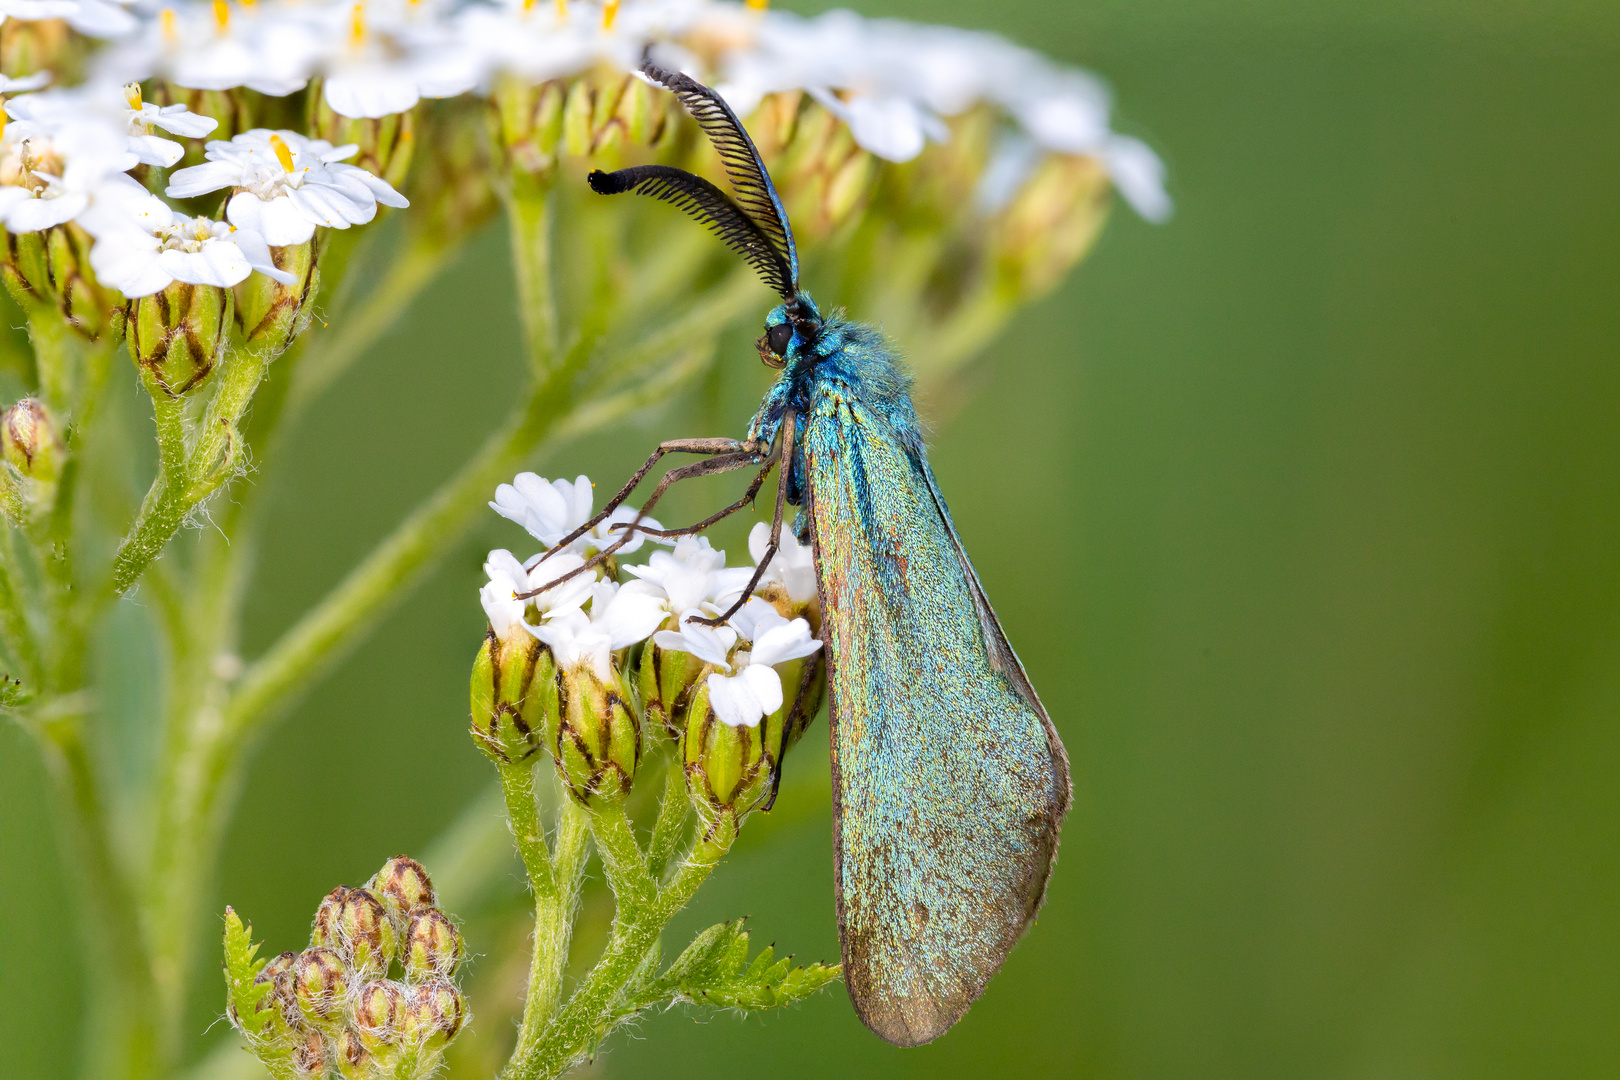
(754, 224)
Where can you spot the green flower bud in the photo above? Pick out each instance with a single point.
(452, 193)
(432, 1015)
(52, 268)
(278, 975)
(312, 1056)
(433, 947)
(1050, 223)
(41, 45)
(514, 697)
(599, 114)
(355, 924)
(354, 1061)
(178, 335)
(30, 441)
(320, 981)
(664, 679)
(823, 176)
(404, 887)
(272, 314)
(732, 770)
(376, 1014)
(596, 739)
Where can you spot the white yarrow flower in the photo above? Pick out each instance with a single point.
(551, 509)
(793, 567)
(286, 184)
(47, 176)
(508, 579)
(755, 690)
(692, 576)
(618, 619)
(142, 246)
(384, 58)
(711, 644)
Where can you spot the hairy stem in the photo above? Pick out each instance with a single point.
(165, 505)
(553, 927)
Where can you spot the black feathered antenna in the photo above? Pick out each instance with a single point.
(755, 224)
(701, 199)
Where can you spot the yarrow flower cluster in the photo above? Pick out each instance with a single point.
(65, 150)
(587, 619)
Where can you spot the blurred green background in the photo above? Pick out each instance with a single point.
(1303, 510)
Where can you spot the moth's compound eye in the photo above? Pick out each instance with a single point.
(779, 337)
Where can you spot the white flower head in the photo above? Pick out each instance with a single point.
(692, 576)
(755, 690)
(52, 111)
(381, 59)
(617, 620)
(286, 184)
(93, 18)
(142, 246)
(711, 644)
(551, 509)
(270, 48)
(792, 568)
(508, 580)
(47, 172)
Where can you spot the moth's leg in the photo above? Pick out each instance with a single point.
(788, 425)
(673, 446)
(748, 497)
(721, 463)
(811, 670)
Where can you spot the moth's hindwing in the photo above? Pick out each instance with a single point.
(949, 782)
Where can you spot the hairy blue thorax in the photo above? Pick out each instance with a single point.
(830, 360)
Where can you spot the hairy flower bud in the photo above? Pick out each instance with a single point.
(320, 981)
(596, 739)
(52, 268)
(514, 697)
(376, 1014)
(355, 925)
(433, 947)
(277, 974)
(598, 114)
(404, 887)
(30, 440)
(312, 1056)
(354, 1061)
(732, 770)
(178, 335)
(664, 680)
(432, 1015)
(272, 314)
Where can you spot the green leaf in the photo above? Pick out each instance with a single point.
(243, 994)
(13, 695)
(715, 970)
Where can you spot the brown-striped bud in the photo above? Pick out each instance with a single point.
(433, 947)
(514, 696)
(277, 974)
(433, 1015)
(354, 1061)
(272, 314)
(313, 1055)
(365, 935)
(376, 1013)
(178, 335)
(320, 981)
(596, 739)
(664, 679)
(52, 268)
(403, 886)
(30, 440)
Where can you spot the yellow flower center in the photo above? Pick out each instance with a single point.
(357, 24)
(610, 11)
(562, 10)
(132, 96)
(222, 15)
(171, 32)
(283, 152)
(759, 5)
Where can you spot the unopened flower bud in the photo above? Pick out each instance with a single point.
(404, 887)
(354, 1061)
(312, 1056)
(29, 45)
(30, 440)
(359, 930)
(822, 174)
(376, 1013)
(277, 974)
(729, 769)
(433, 947)
(596, 740)
(514, 696)
(1050, 223)
(52, 267)
(272, 314)
(319, 982)
(433, 1015)
(664, 679)
(178, 335)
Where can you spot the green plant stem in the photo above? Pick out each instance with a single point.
(19, 637)
(553, 927)
(672, 814)
(585, 1018)
(530, 213)
(633, 887)
(165, 505)
(523, 815)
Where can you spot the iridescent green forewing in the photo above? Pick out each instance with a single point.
(949, 781)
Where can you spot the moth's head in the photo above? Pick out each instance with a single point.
(791, 330)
